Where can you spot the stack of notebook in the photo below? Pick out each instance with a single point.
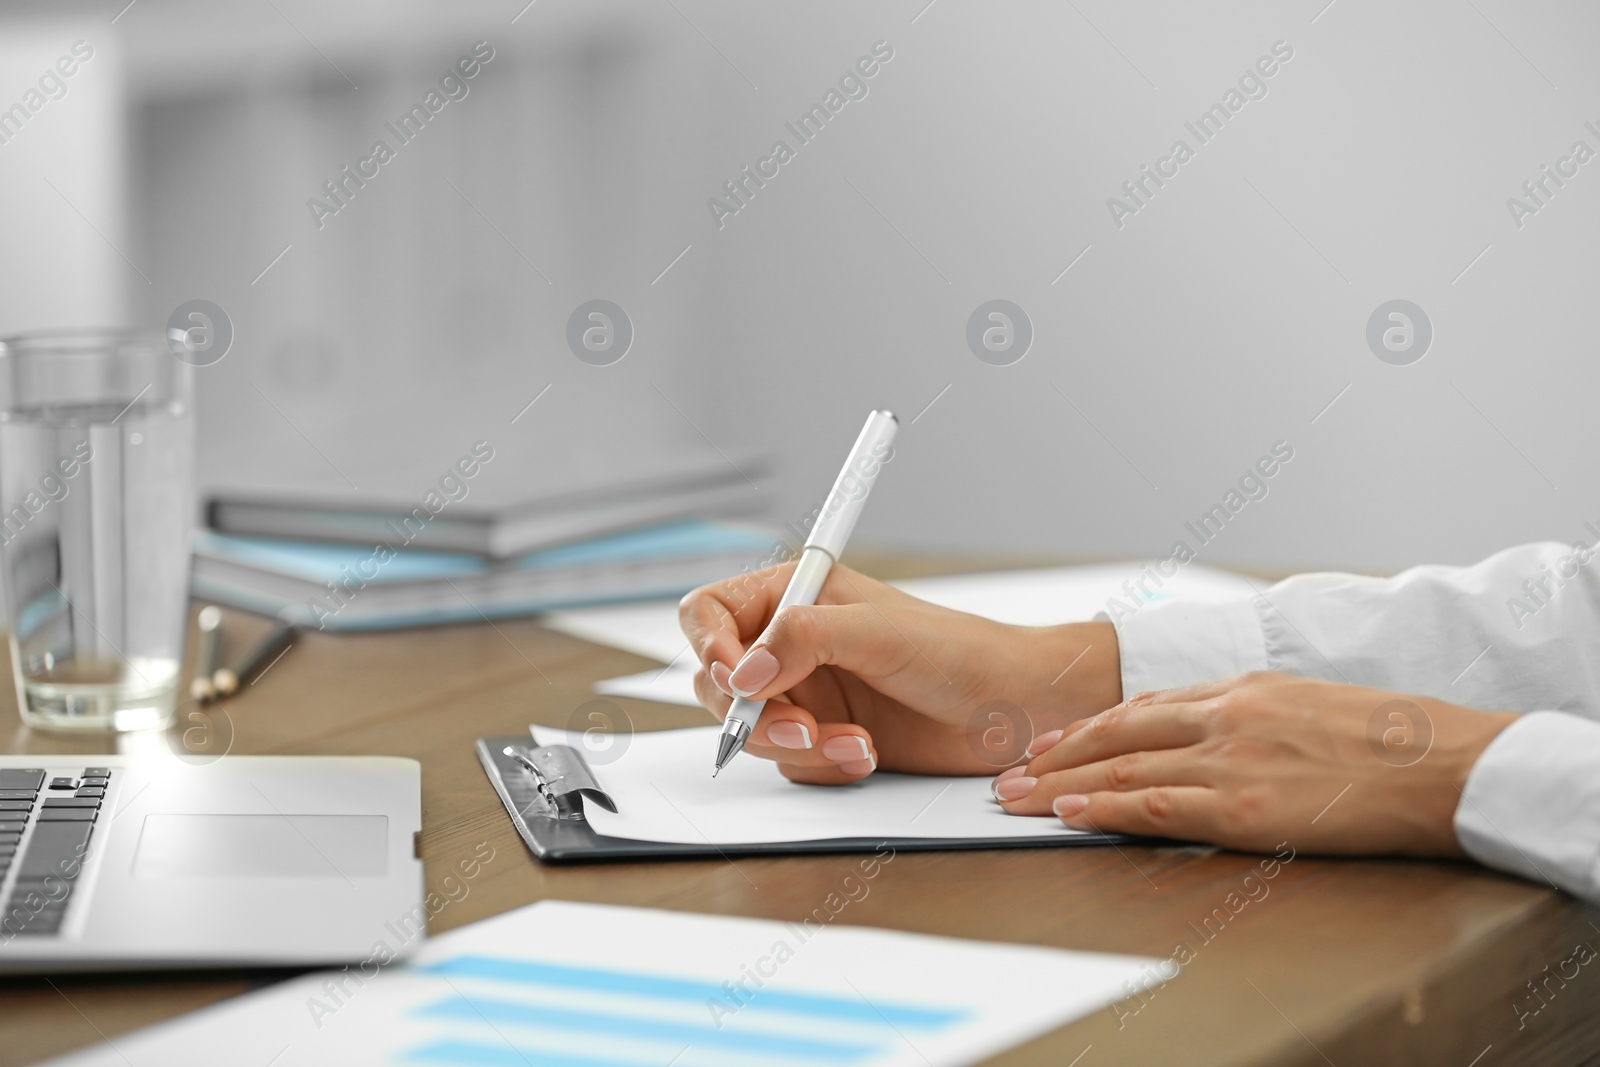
(476, 546)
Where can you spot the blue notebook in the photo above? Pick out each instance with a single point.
(337, 586)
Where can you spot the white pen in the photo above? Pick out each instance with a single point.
(823, 546)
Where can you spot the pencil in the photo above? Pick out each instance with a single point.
(229, 679)
(202, 688)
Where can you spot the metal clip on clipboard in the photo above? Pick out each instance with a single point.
(544, 788)
(548, 781)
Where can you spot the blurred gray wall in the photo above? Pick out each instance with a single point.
(62, 174)
(1227, 314)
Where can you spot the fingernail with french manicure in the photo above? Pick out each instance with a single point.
(719, 677)
(842, 749)
(1044, 742)
(1008, 773)
(789, 735)
(1070, 804)
(754, 671)
(1014, 788)
(859, 766)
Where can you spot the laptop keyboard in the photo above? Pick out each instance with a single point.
(45, 828)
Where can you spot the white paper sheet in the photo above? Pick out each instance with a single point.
(646, 629)
(666, 685)
(1053, 595)
(559, 984)
(662, 785)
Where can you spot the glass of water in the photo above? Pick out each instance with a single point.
(96, 510)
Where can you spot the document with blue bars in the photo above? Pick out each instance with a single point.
(561, 984)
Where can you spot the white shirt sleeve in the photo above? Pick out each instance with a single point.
(1519, 632)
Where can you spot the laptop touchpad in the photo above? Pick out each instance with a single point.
(262, 846)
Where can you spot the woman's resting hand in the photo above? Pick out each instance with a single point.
(1254, 761)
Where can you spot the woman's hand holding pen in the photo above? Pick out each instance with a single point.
(872, 677)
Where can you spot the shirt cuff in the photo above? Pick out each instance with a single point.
(1178, 642)
(1532, 802)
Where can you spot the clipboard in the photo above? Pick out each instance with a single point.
(544, 789)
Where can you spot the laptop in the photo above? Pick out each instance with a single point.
(114, 862)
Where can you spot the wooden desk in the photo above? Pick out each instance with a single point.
(1342, 962)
